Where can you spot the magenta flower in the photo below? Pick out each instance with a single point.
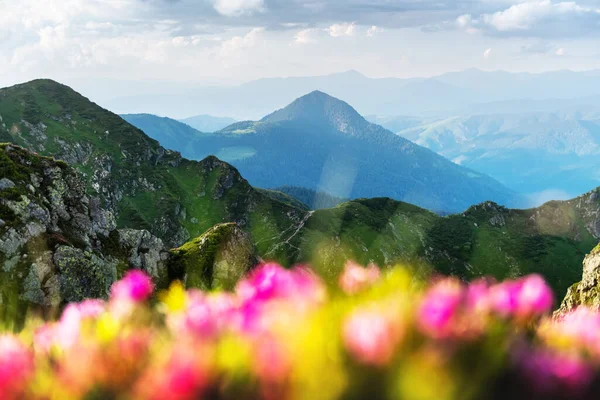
(271, 282)
(355, 278)
(535, 297)
(136, 286)
(16, 367)
(478, 297)
(523, 298)
(371, 337)
(437, 311)
(505, 297)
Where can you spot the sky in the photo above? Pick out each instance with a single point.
(227, 42)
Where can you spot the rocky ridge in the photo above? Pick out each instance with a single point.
(587, 291)
(57, 244)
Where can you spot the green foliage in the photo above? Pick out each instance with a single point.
(221, 247)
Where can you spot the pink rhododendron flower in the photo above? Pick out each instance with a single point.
(271, 362)
(535, 297)
(478, 296)
(505, 297)
(580, 327)
(136, 286)
(271, 282)
(16, 367)
(435, 316)
(523, 298)
(355, 278)
(184, 377)
(371, 336)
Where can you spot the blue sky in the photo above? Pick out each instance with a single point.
(232, 41)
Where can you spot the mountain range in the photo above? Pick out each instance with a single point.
(541, 155)
(147, 188)
(327, 146)
(458, 93)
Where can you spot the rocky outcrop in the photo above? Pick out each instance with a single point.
(586, 292)
(215, 260)
(57, 244)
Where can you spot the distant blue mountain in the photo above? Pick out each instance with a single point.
(321, 143)
(170, 133)
(208, 123)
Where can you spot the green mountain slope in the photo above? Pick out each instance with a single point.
(321, 143)
(143, 184)
(487, 239)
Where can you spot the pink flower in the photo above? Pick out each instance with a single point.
(356, 278)
(437, 311)
(271, 363)
(535, 297)
(478, 296)
(91, 308)
(524, 298)
(16, 367)
(271, 282)
(550, 372)
(184, 377)
(580, 327)
(136, 286)
(371, 337)
(43, 338)
(505, 297)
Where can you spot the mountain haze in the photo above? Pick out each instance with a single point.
(462, 92)
(208, 123)
(531, 153)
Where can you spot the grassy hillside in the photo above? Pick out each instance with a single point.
(485, 240)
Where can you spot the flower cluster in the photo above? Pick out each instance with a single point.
(284, 334)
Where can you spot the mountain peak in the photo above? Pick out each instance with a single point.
(320, 108)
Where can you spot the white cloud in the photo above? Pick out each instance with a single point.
(374, 30)
(306, 36)
(237, 43)
(488, 53)
(536, 18)
(560, 52)
(338, 30)
(232, 8)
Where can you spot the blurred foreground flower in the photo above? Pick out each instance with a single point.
(280, 335)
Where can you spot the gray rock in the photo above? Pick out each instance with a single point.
(6, 184)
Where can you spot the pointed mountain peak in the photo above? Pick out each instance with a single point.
(320, 108)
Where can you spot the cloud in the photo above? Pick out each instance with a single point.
(560, 52)
(233, 8)
(306, 36)
(488, 53)
(374, 30)
(338, 30)
(238, 43)
(536, 18)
